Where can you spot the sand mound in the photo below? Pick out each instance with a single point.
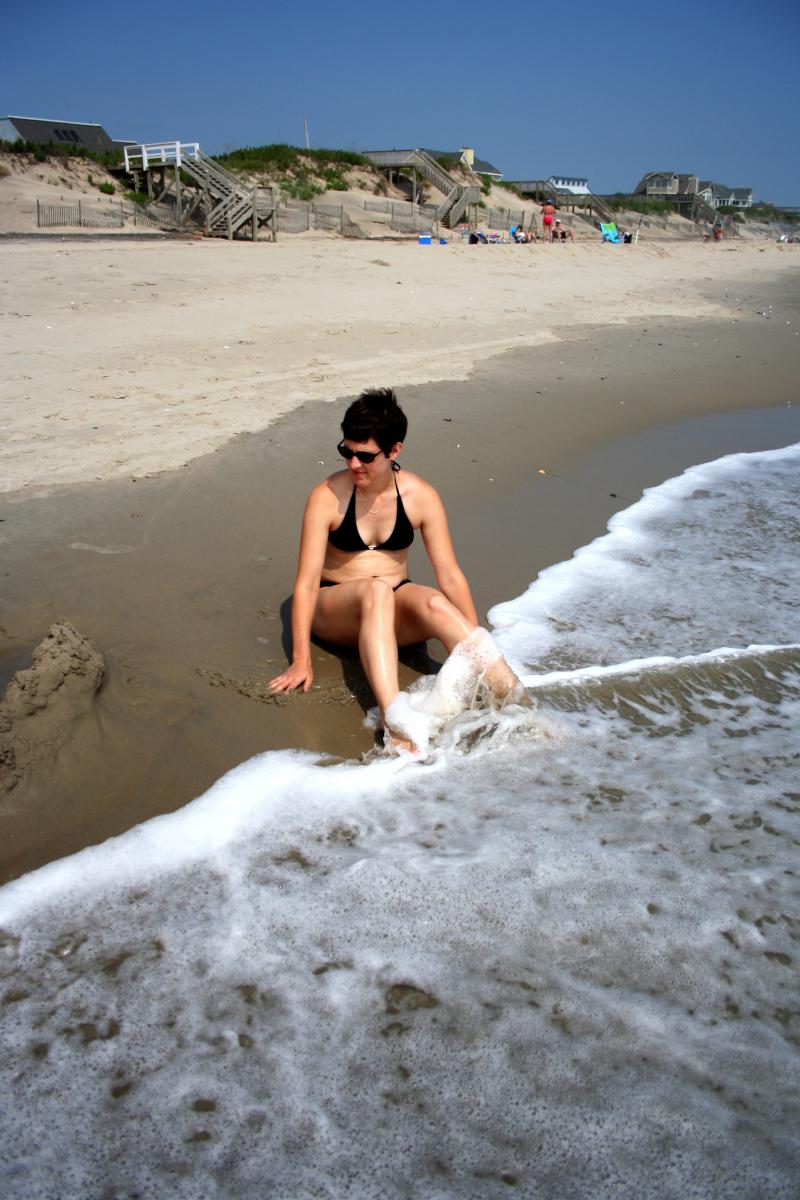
(41, 702)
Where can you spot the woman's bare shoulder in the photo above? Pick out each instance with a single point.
(415, 490)
(328, 493)
(337, 484)
(416, 485)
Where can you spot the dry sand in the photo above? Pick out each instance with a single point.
(126, 358)
(129, 360)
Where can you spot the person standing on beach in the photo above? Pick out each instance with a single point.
(548, 216)
(352, 586)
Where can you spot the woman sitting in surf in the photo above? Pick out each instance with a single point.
(352, 586)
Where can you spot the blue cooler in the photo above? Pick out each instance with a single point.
(424, 239)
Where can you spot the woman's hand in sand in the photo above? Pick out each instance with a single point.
(298, 675)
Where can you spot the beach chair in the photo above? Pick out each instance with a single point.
(610, 233)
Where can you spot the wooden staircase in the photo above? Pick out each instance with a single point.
(703, 212)
(457, 196)
(600, 207)
(229, 209)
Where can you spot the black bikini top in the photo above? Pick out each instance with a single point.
(347, 537)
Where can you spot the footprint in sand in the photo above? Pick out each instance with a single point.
(101, 549)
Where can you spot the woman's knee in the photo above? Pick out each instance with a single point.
(438, 608)
(436, 603)
(376, 596)
(443, 619)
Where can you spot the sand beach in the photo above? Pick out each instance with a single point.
(168, 405)
(557, 965)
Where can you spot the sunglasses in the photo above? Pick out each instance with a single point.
(363, 456)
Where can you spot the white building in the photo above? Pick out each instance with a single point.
(569, 185)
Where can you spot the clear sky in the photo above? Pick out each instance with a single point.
(608, 91)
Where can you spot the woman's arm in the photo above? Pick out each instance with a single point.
(313, 541)
(438, 543)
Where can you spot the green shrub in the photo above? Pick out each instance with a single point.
(282, 158)
(136, 197)
(106, 188)
(349, 157)
(486, 184)
(638, 204)
(300, 187)
(334, 180)
(40, 153)
(760, 212)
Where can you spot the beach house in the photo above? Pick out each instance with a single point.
(466, 156)
(569, 185)
(686, 192)
(43, 132)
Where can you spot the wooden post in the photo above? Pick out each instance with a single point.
(414, 187)
(255, 216)
(178, 196)
(80, 217)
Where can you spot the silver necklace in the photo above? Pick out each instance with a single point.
(372, 511)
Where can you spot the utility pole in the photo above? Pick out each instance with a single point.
(308, 143)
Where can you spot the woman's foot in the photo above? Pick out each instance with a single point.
(505, 686)
(405, 728)
(395, 743)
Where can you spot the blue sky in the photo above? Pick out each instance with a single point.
(536, 89)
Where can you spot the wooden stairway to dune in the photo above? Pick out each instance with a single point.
(457, 196)
(202, 189)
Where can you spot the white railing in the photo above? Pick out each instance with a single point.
(161, 153)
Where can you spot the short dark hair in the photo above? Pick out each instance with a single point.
(376, 414)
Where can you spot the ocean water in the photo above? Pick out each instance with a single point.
(559, 958)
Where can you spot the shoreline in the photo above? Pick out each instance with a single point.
(184, 589)
(182, 582)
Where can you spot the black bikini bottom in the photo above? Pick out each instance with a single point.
(336, 582)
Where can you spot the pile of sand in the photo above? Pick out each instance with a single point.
(41, 707)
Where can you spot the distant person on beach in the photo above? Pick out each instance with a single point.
(561, 234)
(352, 586)
(548, 217)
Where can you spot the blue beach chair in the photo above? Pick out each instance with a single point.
(610, 233)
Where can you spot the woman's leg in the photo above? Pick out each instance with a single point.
(423, 613)
(362, 613)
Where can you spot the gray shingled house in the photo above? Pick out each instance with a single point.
(66, 133)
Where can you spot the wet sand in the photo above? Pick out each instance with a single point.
(182, 581)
